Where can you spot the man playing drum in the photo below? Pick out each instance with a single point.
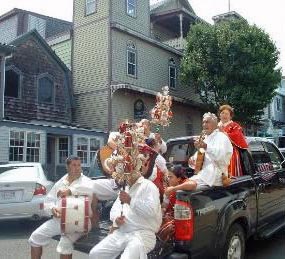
(66, 186)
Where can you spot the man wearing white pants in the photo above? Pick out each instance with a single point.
(134, 234)
(66, 186)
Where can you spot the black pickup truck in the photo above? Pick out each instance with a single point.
(219, 220)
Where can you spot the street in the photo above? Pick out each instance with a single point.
(14, 245)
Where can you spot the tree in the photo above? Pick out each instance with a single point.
(233, 63)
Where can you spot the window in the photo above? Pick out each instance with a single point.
(62, 149)
(33, 147)
(45, 90)
(90, 6)
(87, 148)
(12, 83)
(172, 73)
(131, 7)
(82, 149)
(24, 146)
(131, 59)
(278, 104)
(274, 155)
(17, 143)
(139, 110)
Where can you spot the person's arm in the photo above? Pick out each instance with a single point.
(147, 202)
(115, 211)
(51, 199)
(163, 147)
(189, 185)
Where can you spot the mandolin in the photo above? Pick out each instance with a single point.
(200, 155)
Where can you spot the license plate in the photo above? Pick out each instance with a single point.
(7, 195)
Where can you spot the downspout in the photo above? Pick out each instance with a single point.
(2, 83)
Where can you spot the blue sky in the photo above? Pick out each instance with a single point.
(266, 14)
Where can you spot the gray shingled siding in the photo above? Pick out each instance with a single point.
(8, 29)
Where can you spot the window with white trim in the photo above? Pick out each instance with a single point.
(87, 148)
(82, 150)
(24, 146)
(131, 59)
(63, 149)
(90, 6)
(45, 90)
(172, 73)
(33, 147)
(132, 8)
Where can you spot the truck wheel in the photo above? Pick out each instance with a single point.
(235, 243)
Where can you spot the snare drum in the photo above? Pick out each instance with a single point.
(75, 214)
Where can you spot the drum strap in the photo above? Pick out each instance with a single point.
(86, 219)
(63, 214)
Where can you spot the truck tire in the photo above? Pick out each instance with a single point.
(234, 247)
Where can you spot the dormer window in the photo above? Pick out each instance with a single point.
(90, 6)
(45, 90)
(131, 59)
(172, 73)
(12, 83)
(132, 7)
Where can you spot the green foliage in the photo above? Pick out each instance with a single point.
(232, 63)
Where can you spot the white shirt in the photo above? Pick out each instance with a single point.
(159, 162)
(144, 211)
(81, 186)
(217, 158)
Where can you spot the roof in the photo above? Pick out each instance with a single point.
(164, 5)
(34, 34)
(17, 10)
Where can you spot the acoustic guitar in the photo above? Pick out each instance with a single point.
(104, 153)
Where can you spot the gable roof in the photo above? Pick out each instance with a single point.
(35, 35)
(167, 5)
(17, 11)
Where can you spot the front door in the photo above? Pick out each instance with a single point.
(51, 159)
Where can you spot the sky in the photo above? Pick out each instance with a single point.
(264, 13)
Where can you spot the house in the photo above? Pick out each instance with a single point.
(123, 52)
(36, 123)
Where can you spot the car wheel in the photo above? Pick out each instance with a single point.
(235, 243)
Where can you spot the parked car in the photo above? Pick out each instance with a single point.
(217, 221)
(23, 187)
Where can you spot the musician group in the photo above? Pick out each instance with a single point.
(144, 193)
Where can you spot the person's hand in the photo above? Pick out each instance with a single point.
(169, 190)
(125, 197)
(120, 221)
(56, 212)
(64, 193)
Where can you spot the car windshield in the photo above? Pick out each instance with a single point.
(19, 172)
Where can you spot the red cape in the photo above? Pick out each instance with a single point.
(234, 131)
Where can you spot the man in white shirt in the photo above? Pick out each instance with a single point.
(73, 183)
(135, 227)
(218, 152)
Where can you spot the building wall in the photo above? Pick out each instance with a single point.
(123, 108)
(63, 51)
(8, 29)
(140, 23)
(152, 66)
(37, 23)
(39, 63)
(162, 34)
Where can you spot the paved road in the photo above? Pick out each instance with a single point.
(14, 245)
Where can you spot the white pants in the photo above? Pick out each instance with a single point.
(44, 233)
(133, 245)
(105, 189)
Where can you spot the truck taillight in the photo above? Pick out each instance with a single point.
(40, 190)
(184, 221)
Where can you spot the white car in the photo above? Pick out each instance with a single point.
(23, 187)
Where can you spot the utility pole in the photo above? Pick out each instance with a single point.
(229, 4)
